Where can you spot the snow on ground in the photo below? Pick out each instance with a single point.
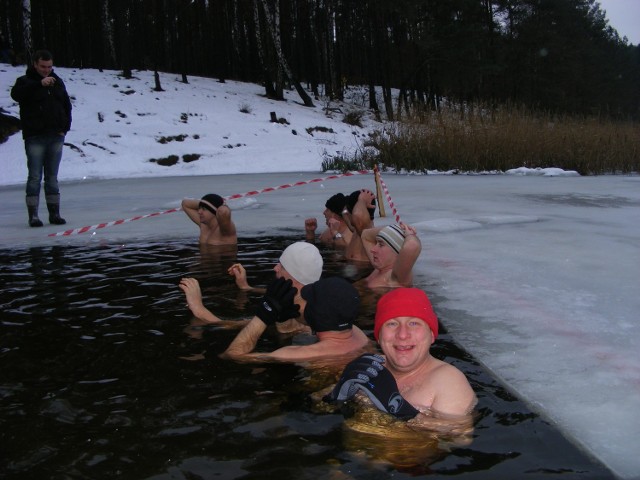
(120, 125)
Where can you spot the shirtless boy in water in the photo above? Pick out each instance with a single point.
(393, 251)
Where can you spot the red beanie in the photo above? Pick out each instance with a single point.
(405, 302)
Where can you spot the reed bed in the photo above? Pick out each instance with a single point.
(498, 139)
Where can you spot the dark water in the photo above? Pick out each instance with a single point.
(100, 375)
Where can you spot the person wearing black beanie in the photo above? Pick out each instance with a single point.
(369, 198)
(330, 307)
(360, 210)
(336, 203)
(337, 234)
(213, 217)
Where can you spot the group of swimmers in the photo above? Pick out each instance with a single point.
(397, 376)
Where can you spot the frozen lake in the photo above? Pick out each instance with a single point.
(537, 277)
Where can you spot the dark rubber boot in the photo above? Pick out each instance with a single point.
(34, 221)
(54, 214)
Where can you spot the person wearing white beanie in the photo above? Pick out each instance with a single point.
(300, 262)
(303, 262)
(296, 300)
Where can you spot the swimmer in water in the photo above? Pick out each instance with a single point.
(359, 211)
(337, 234)
(329, 307)
(393, 251)
(407, 381)
(300, 262)
(213, 217)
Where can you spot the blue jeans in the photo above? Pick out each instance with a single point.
(44, 153)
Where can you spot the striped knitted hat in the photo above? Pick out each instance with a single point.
(393, 235)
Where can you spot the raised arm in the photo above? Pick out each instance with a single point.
(275, 306)
(227, 227)
(339, 233)
(190, 207)
(360, 219)
(369, 240)
(310, 227)
(191, 289)
(409, 253)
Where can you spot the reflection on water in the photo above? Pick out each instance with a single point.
(100, 377)
(391, 441)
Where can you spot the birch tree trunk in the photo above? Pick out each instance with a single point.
(335, 87)
(270, 91)
(107, 30)
(26, 25)
(273, 24)
(125, 38)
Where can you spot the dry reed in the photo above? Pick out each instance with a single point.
(483, 139)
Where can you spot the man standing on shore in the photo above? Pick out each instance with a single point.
(45, 114)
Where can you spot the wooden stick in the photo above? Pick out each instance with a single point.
(376, 173)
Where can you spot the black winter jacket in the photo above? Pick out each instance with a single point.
(43, 110)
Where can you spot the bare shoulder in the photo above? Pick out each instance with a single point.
(452, 392)
(446, 373)
(378, 279)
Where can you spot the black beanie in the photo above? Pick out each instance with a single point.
(352, 199)
(216, 200)
(332, 304)
(336, 203)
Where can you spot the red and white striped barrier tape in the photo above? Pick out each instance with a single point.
(98, 226)
(77, 231)
(386, 193)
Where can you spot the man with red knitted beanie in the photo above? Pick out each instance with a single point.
(407, 382)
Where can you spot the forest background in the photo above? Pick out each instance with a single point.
(468, 79)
